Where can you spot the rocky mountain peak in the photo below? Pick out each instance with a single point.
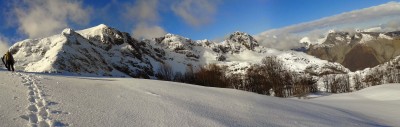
(67, 31)
(338, 38)
(106, 36)
(243, 39)
(175, 42)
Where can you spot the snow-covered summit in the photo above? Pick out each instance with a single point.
(96, 29)
(175, 42)
(239, 41)
(243, 38)
(67, 31)
(105, 35)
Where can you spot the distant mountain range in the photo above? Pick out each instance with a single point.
(106, 51)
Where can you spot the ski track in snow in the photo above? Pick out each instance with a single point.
(38, 113)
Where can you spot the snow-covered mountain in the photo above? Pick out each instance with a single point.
(105, 51)
(100, 51)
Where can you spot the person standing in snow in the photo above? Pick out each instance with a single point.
(8, 60)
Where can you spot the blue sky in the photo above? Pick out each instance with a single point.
(195, 19)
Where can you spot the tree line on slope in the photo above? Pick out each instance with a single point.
(269, 78)
(272, 78)
(381, 74)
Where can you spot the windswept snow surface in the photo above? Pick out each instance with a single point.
(381, 102)
(41, 100)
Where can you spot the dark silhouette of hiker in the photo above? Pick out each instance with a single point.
(8, 60)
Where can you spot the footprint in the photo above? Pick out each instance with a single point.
(40, 103)
(31, 93)
(52, 103)
(31, 99)
(32, 108)
(59, 124)
(33, 118)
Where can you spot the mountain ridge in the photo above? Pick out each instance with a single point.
(106, 51)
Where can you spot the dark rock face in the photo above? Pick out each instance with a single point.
(244, 39)
(360, 57)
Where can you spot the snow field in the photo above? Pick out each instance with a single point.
(378, 102)
(46, 100)
(24, 101)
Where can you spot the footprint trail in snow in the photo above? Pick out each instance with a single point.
(37, 110)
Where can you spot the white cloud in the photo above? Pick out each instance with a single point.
(145, 31)
(3, 45)
(39, 18)
(143, 10)
(195, 12)
(385, 16)
(145, 14)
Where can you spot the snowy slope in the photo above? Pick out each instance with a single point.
(380, 102)
(301, 62)
(34, 99)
